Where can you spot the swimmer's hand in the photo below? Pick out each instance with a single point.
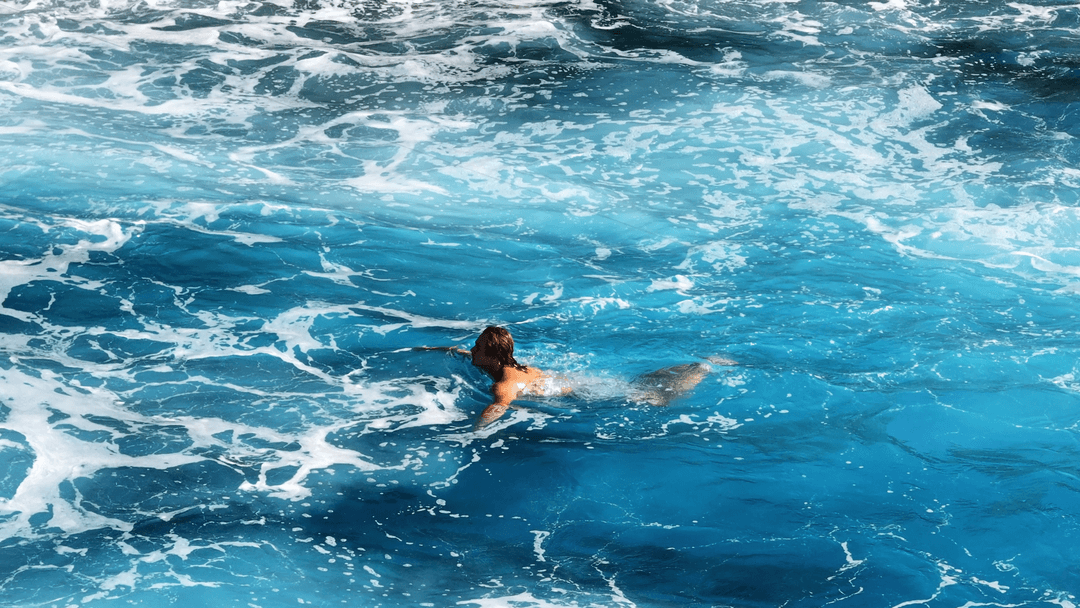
(492, 413)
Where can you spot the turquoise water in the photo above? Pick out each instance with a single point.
(224, 226)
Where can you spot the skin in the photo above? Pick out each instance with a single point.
(506, 390)
(656, 388)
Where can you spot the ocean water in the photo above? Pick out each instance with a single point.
(225, 225)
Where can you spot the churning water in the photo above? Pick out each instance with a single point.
(224, 225)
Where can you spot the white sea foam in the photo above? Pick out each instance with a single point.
(101, 236)
(60, 457)
(678, 283)
(991, 236)
(538, 130)
(529, 600)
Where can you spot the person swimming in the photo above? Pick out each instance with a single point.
(494, 354)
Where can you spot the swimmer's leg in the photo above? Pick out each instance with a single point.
(721, 360)
(664, 385)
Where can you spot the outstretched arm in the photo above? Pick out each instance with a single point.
(453, 350)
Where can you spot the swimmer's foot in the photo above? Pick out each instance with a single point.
(720, 360)
(664, 385)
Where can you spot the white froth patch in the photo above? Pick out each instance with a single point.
(914, 103)
(598, 304)
(383, 177)
(673, 58)
(565, 193)
(657, 244)
(556, 293)
(1066, 382)
(535, 28)
(414, 320)
(60, 457)
(521, 600)
(678, 283)
(995, 106)
(1015, 239)
(539, 536)
(181, 548)
(180, 154)
(272, 177)
(1028, 59)
(196, 210)
(375, 178)
(210, 213)
(316, 454)
(339, 273)
(996, 586)
(723, 256)
(294, 327)
(817, 81)
(9, 70)
(723, 423)
(24, 128)
(729, 211)
(637, 140)
(55, 263)
(325, 65)
(1045, 265)
(730, 66)
(172, 107)
(896, 236)
(891, 5)
(795, 26)
(483, 171)
(691, 307)
(251, 290)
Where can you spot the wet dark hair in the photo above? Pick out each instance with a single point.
(494, 350)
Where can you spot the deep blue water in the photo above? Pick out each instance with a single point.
(224, 225)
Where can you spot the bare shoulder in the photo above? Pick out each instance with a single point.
(521, 375)
(513, 381)
(504, 392)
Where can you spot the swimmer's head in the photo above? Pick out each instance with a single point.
(494, 350)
